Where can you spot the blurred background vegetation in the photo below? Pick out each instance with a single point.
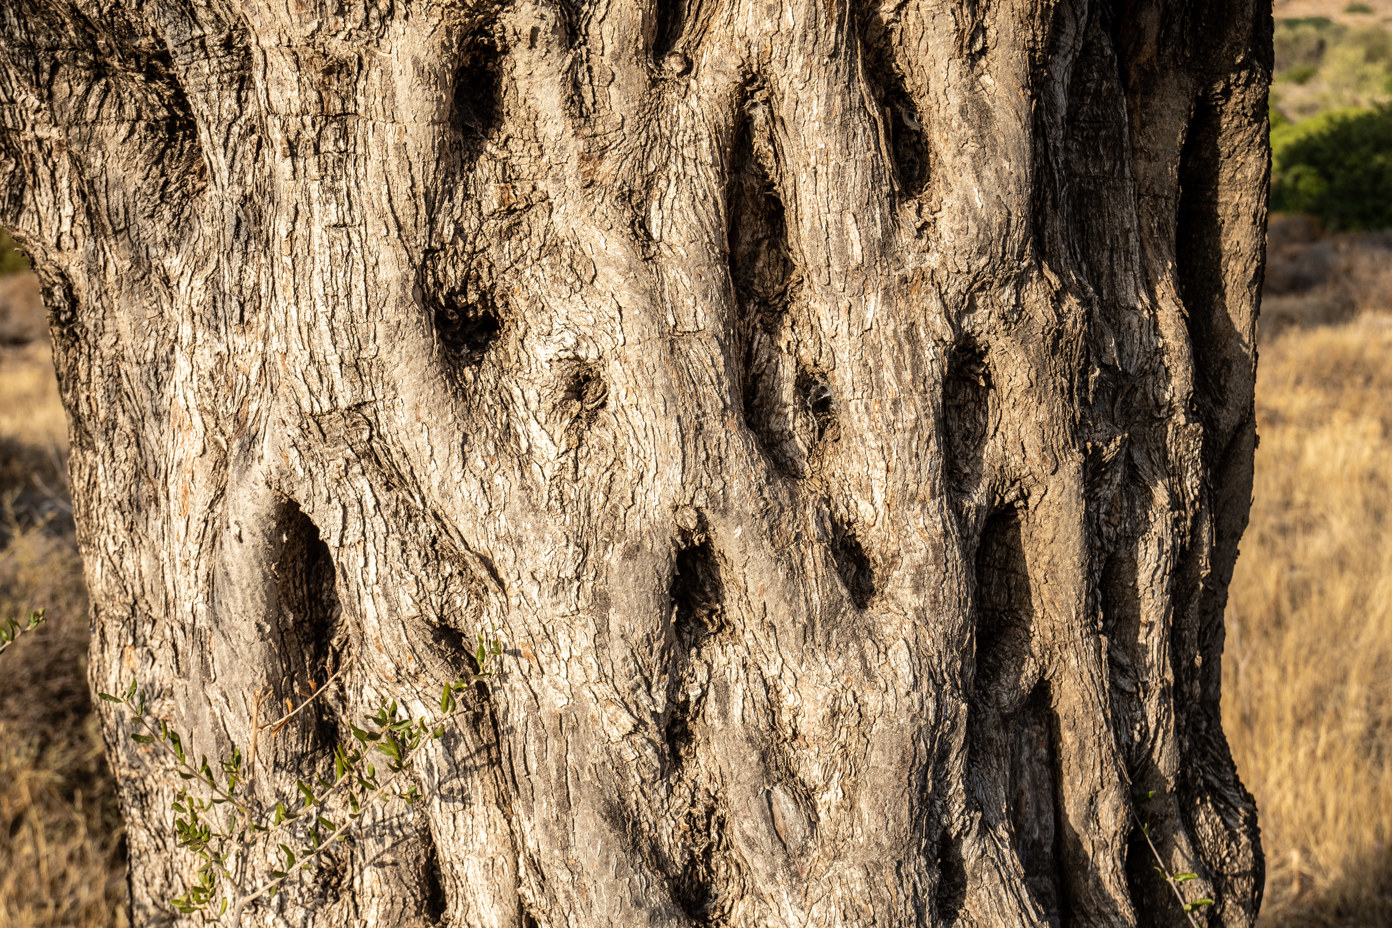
(1331, 121)
(1308, 667)
(12, 259)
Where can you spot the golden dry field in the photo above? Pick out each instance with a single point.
(1307, 689)
(1308, 669)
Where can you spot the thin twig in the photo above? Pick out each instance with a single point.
(352, 768)
(279, 723)
(1160, 862)
(158, 737)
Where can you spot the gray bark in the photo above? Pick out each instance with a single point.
(841, 412)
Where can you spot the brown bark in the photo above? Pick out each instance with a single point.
(841, 412)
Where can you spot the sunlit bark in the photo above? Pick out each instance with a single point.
(841, 413)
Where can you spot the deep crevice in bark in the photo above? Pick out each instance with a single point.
(813, 392)
(1199, 262)
(1200, 276)
(1090, 179)
(449, 640)
(908, 142)
(1155, 903)
(951, 893)
(761, 269)
(853, 565)
(695, 887)
(312, 616)
(1004, 599)
(966, 408)
(1121, 623)
(478, 102)
(570, 14)
(582, 400)
(1032, 815)
(155, 65)
(433, 893)
(698, 595)
(671, 18)
(696, 864)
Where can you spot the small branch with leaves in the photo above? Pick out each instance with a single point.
(231, 833)
(12, 629)
(1174, 880)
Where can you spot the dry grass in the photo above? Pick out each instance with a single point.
(63, 863)
(1308, 688)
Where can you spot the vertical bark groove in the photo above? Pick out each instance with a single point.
(312, 632)
(764, 280)
(903, 119)
(436, 900)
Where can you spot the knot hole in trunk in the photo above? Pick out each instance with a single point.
(311, 617)
(853, 565)
(477, 91)
(467, 323)
(584, 394)
(698, 596)
(818, 403)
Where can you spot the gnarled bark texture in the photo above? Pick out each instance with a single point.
(841, 411)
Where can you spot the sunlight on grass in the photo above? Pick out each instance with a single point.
(1308, 669)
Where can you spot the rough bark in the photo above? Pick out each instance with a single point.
(842, 413)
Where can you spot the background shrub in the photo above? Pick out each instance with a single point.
(11, 258)
(1337, 167)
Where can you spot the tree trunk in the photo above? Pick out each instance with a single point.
(841, 414)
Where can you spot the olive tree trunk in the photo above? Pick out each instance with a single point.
(841, 414)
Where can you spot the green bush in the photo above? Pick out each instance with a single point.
(1337, 167)
(11, 258)
(1300, 74)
